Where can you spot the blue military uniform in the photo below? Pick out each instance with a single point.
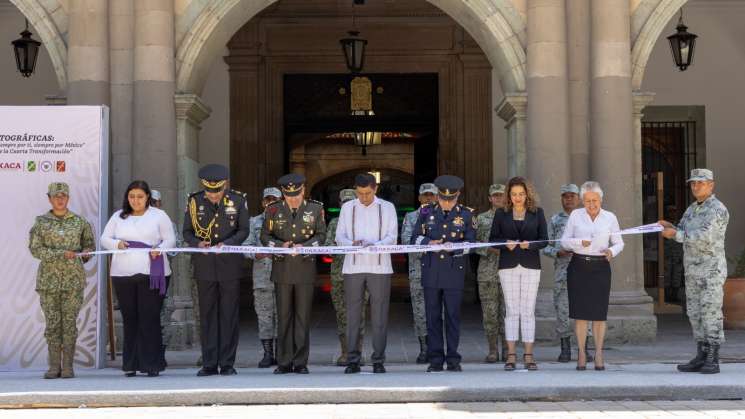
(443, 272)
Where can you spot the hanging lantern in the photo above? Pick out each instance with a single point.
(366, 139)
(682, 44)
(354, 51)
(26, 51)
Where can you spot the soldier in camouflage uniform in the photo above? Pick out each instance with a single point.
(701, 231)
(265, 303)
(427, 195)
(569, 202)
(337, 286)
(55, 239)
(490, 290)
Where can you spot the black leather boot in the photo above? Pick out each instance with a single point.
(711, 363)
(422, 357)
(566, 350)
(268, 359)
(695, 364)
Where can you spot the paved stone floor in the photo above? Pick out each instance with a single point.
(521, 410)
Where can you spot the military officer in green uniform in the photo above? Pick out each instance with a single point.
(55, 239)
(215, 217)
(337, 286)
(294, 222)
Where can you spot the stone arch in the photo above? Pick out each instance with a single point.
(50, 35)
(655, 14)
(494, 24)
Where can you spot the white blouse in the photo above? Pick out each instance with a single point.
(581, 227)
(154, 228)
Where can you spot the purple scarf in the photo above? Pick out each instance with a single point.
(157, 268)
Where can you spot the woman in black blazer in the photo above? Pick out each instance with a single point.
(519, 222)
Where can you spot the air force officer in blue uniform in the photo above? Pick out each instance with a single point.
(443, 272)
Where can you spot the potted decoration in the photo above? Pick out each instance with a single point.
(734, 296)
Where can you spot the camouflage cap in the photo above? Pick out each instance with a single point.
(272, 191)
(56, 188)
(569, 188)
(347, 195)
(427, 188)
(496, 188)
(701, 174)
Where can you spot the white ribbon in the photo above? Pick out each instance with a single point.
(346, 250)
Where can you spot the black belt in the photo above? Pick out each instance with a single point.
(590, 258)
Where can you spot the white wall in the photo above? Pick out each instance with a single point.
(717, 81)
(14, 88)
(214, 139)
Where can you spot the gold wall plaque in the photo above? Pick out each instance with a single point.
(361, 96)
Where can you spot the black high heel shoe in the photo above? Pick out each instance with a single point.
(581, 367)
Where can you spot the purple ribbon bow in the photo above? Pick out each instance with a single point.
(157, 268)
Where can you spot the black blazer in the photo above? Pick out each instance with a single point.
(504, 228)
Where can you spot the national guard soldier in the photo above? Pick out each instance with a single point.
(216, 217)
(569, 202)
(337, 286)
(295, 222)
(427, 195)
(265, 302)
(443, 272)
(701, 231)
(55, 238)
(490, 290)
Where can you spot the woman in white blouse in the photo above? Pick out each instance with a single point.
(140, 278)
(589, 234)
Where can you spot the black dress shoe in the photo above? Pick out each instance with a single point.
(130, 373)
(301, 369)
(206, 372)
(378, 368)
(283, 370)
(352, 369)
(153, 373)
(228, 371)
(434, 368)
(454, 367)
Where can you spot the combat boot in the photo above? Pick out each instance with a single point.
(695, 364)
(341, 361)
(566, 350)
(493, 356)
(711, 363)
(422, 357)
(268, 359)
(54, 362)
(68, 356)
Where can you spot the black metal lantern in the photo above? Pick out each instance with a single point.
(354, 51)
(682, 44)
(367, 139)
(26, 50)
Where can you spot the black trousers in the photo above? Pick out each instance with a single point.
(219, 314)
(294, 303)
(434, 301)
(140, 307)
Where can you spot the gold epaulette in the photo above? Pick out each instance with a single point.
(314, 201)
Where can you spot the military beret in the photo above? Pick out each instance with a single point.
(448, 186)
(291, 184)
(58, 188)
(427, 188)
(213, 177)
(347, 195)
(701, 174)
(272, 191)
(496, 188)
(569, 188)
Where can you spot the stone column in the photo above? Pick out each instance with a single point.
(578, 34)
(190, 113)
(88, 53)
(121, 33)
(513, 111)
(154, 110)
(612, 163)
(547, 145)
